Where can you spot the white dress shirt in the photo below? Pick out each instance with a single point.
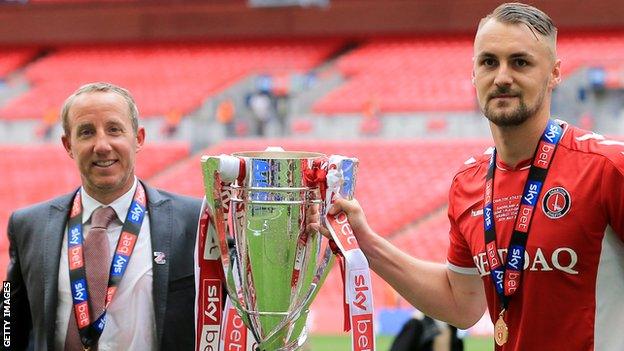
(130, 322)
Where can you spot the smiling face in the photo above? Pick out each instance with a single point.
(514, 72)
(102, 142)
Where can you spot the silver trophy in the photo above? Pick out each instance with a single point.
(273, 267)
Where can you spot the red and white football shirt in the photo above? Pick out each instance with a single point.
(572, 291)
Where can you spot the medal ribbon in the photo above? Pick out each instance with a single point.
(90, 332)
(506, 275)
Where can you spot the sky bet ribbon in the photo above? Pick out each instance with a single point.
(90, 332)
(506, 275)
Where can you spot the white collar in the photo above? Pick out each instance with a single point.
(120, 205)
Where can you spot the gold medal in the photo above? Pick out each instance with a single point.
(500, 330)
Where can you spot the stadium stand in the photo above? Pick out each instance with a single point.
(427, 74)
(407, 74)
(188, 74)
(594, 49)
(33, 173)
(12, 58)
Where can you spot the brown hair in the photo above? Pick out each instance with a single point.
(518, 13)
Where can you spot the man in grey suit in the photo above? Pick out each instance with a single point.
(150, 236)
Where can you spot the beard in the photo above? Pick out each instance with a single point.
(514, 117)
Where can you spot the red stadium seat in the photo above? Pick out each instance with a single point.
(162, 77)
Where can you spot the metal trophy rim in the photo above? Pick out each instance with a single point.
(279, 155)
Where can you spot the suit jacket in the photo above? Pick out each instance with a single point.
(35, 238)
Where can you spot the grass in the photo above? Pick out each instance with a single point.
(343, 343)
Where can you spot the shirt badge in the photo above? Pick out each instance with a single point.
(556, 202)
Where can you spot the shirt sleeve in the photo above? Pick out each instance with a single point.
(613, 193)
(459, 257)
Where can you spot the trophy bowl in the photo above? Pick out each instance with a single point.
(273, 268)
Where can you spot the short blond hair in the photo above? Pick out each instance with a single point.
(101, 87)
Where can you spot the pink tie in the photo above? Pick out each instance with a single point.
(97, 266)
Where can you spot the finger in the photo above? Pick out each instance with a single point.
(337, 206)
(313, 210)
(312, 228)
(324, 232)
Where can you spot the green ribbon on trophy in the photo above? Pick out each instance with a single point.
(252, 244)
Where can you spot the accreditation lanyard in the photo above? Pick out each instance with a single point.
(506, 275)
(91, 332)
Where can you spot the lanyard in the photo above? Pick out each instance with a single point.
(506, 275)
(91, 332)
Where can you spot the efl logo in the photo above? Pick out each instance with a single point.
(126, 243)
(531, 193)
(344, 232)
(212, 302)
(75, 257)
(82, 314)
(136, 212)
(363, 332)
(79, 290)
(524, 217)
(545, 153)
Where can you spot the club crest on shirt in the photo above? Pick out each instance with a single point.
(556, 202)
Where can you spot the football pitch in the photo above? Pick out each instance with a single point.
(343, 343)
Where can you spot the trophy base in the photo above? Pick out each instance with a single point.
(294, 345)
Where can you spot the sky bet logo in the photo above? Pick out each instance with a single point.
(516, 258)
(531, 192)
(126, 243)
(498, 278)
(553, 133)
(79, 290)
(136, 213)
(487, 215)
(74, 235)
(119, 265)
(75, 257)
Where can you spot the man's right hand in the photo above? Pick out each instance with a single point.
(355, 216)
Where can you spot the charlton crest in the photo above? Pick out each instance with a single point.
(556, 203)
